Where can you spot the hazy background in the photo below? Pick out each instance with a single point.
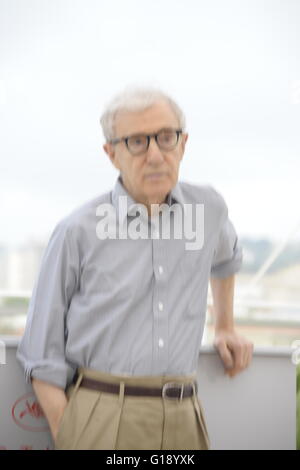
(233, 66)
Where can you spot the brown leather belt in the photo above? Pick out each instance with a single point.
(169, 390)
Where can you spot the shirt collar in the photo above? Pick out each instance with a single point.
(129, 204)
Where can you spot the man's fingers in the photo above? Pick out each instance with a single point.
(248, 354)
(243, 357)
(226, 355)
(236, 353)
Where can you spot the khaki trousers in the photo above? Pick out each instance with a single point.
(99, 420)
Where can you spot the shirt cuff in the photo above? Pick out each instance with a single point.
(229, 267)
(59, 375)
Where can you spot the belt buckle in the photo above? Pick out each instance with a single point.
(172, 385)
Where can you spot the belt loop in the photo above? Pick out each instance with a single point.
(195, 395)
(181, 392)
(79, 380)
(121, 393)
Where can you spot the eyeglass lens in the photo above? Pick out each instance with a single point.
(166, 140)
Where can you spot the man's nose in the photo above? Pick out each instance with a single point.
(154, 154)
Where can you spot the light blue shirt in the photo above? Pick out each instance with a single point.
(125, 306)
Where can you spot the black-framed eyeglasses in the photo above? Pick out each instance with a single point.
(137, 144)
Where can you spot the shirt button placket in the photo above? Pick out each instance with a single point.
(160, 317)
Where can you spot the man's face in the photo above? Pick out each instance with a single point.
(148, 177)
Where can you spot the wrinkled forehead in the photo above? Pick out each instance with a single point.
(151, 119)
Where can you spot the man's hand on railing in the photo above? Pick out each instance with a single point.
(235, 350)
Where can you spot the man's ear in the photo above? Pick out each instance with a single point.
(183, 142)
(184, 139)
(110, 150)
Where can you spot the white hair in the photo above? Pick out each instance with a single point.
(136, 99)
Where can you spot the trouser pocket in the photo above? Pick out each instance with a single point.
(62, 434)
(75, 418)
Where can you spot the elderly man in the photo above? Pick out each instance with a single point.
(116, 319)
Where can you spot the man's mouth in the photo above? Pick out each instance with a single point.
(154, 176)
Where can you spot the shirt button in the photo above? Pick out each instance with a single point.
(161, 343)
(160, 269)
(160, 306)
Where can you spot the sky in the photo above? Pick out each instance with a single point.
(232, 66)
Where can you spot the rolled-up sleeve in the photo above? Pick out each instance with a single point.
(228, 253)
(41, 351)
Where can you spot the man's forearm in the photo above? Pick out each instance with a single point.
(222, 293)
(53, 401)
